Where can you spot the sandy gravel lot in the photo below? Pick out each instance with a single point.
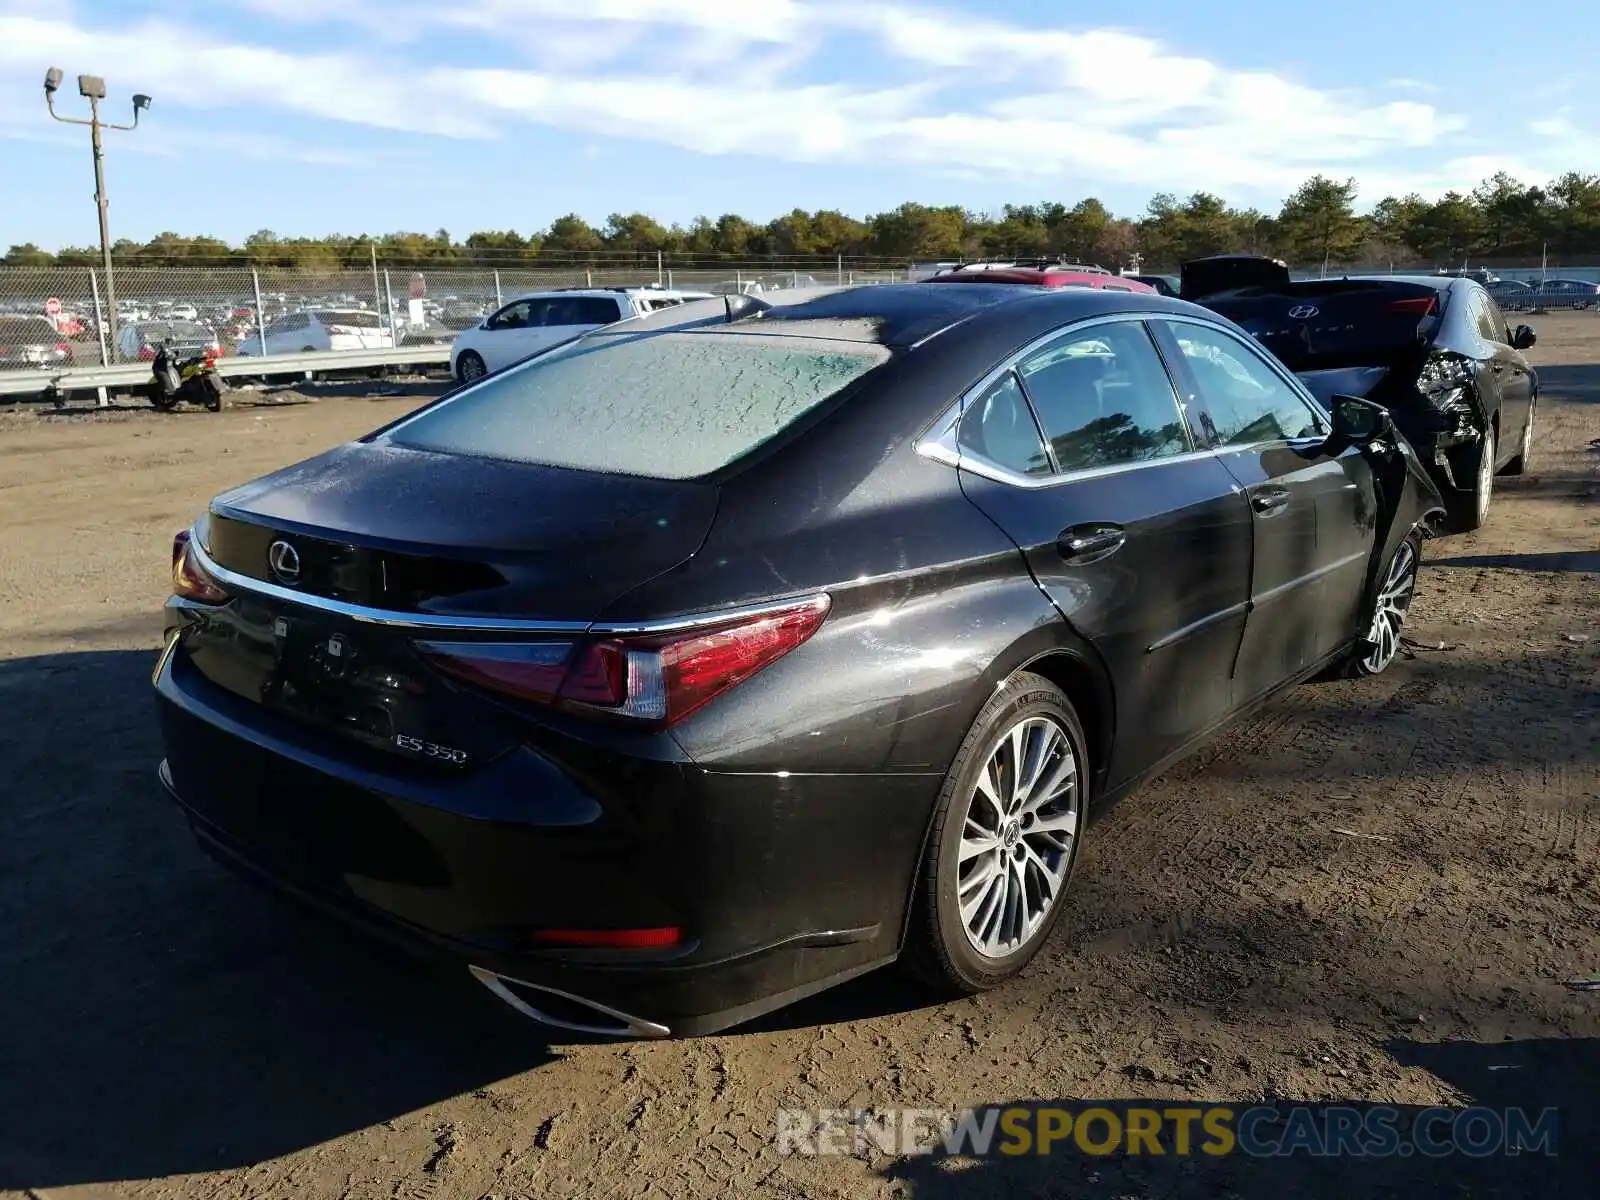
(1373, 892)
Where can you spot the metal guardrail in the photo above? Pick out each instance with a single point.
(59, 384)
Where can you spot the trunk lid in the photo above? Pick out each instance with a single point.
(1203, 277)
(416, 532)
(1318, 324)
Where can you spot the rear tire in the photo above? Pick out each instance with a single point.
(1470, 508)
(470, 367)
(1519, 464)
(1004, 841)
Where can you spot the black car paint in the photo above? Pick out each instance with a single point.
(782, 825)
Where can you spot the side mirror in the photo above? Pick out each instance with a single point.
(1356, 420)
(1523, 337)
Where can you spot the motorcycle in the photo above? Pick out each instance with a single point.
(185, 380)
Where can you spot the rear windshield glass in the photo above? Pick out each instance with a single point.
(175, 330)
(34, 329)
(364, 320)
(669, 405)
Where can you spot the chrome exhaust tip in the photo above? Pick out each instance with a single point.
(569, 1012)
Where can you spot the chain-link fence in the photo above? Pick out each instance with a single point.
(303, 311)
(62, 316)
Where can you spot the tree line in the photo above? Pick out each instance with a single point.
(1318, 224)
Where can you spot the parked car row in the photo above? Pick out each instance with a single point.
(698, 653)
(1526, 296)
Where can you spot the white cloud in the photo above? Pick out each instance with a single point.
(952, 92)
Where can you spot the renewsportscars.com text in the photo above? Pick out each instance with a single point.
(1374, 1131)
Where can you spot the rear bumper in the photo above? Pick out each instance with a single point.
(781, 886)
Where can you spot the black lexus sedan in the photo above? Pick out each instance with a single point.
(726, 653)
(1435, 350)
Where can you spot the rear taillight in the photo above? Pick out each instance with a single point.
(146, 353)
(189, 580)
(1422, 306)
(655, 678)
(1444, 381)
(658, 938)
(63, 348)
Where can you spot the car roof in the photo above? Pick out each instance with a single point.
(1046, 277)
(900, 314)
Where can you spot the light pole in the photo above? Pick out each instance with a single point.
(93, 89)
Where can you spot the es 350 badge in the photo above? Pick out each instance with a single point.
(433, 750)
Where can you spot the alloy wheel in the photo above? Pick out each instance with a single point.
(1017, 835)
(472, 368)
(1394, 602)
(1485, 487)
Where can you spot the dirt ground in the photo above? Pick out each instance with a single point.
(1373, 892)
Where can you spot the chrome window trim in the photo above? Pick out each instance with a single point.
(366, 614)
(939, 442)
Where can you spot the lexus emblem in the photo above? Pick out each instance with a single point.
(284, 560)
(1304, 312)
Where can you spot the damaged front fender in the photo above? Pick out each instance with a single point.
(1408, 500)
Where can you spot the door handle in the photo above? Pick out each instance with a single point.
(1090, 543)
(1269, 500)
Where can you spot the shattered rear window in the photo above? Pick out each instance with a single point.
(670, 405)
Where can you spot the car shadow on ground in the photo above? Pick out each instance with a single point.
(1528, 1075)
(161, 1017)
(1564, 560)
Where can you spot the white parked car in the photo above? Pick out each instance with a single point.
(321, 329)
(539, 320)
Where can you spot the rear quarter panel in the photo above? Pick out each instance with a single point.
(930, 598)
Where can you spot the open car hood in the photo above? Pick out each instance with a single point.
(1224, 272)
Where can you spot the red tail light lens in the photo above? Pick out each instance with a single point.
(147, 353)
(611, 939)
(1422, 306)
(188, 579)
(526, 670)
(656, 679)
(64, 347)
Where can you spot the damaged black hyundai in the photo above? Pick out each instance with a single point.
(1436, 351)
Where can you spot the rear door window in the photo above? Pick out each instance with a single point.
(1491, 325)
(669, 405)
(1104, 398)
(583, 310)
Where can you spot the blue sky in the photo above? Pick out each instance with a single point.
(321, 116)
